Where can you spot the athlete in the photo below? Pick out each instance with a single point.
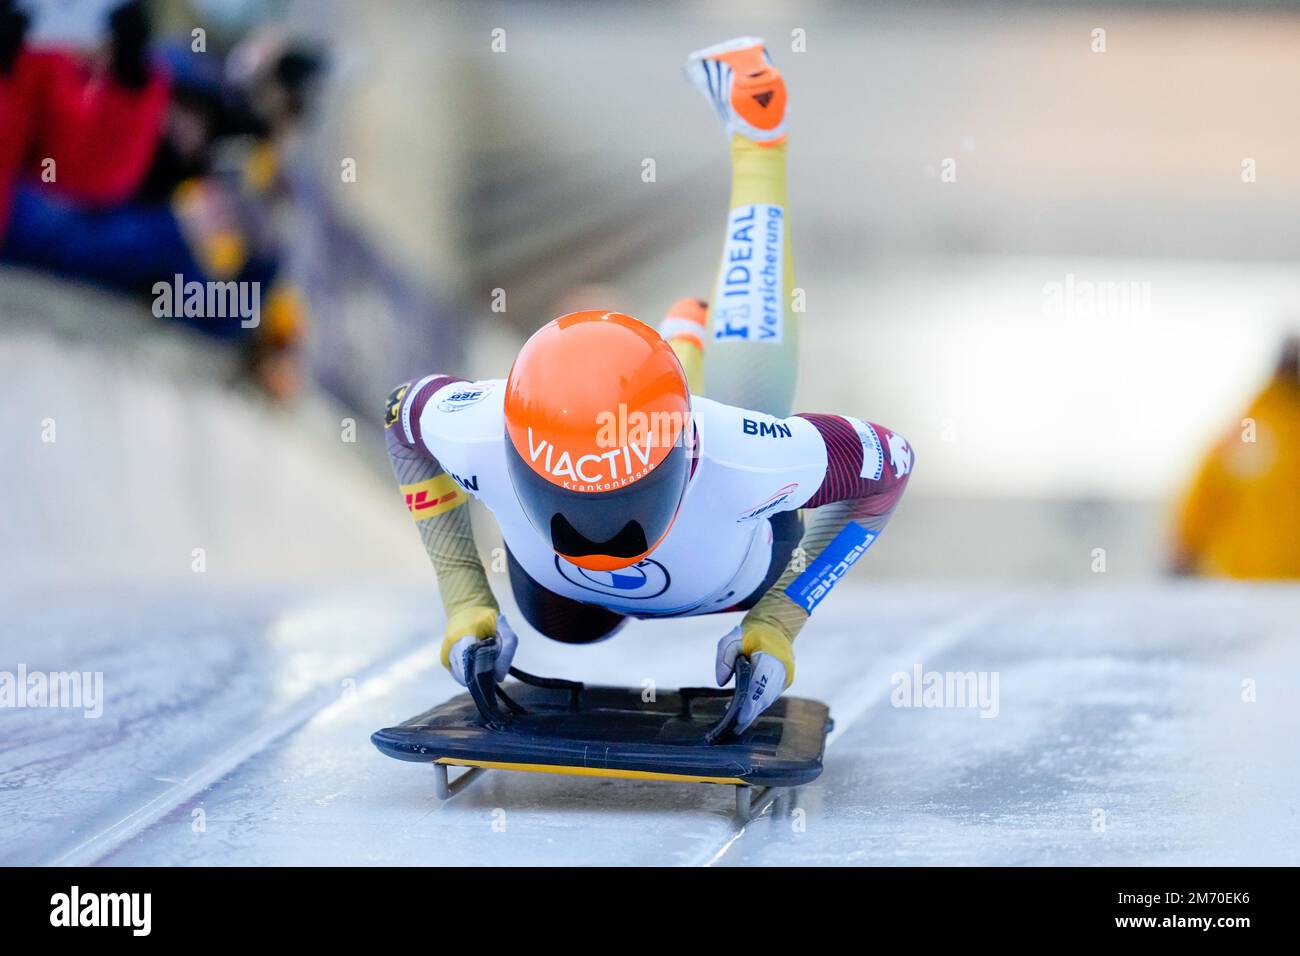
(621, 490)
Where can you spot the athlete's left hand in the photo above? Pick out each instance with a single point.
(467, 627)
(771, 654)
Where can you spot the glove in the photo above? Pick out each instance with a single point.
(771, 654)
(477, 624)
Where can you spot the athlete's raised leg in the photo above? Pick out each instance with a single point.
(685, 327)
(751, 352)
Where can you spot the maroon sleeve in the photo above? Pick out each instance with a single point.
(403, 409)
(878, 486)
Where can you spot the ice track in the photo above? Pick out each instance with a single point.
(235, 731)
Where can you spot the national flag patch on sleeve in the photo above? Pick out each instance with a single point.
(437, 495)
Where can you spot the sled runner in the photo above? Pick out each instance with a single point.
(542, 725)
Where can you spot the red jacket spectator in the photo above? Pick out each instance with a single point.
(101, 135)
(19, 97)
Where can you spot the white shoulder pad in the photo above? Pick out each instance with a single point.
(464, 413)
(753, 443)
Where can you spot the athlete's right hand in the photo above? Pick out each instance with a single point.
(772, 655)
(469, 626)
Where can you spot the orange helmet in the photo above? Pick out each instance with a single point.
(598, 437)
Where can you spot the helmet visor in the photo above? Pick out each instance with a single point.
(602, 530)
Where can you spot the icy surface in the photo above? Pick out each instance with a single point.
(235, 730)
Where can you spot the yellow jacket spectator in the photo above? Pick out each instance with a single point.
(1241, 516)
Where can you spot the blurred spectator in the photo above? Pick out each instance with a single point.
(86, 128)
(17, 87)
(131, 167)
(1241, 517)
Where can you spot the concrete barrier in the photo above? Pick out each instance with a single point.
(129, 454)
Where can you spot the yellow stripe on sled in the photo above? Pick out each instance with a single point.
(586, 771)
